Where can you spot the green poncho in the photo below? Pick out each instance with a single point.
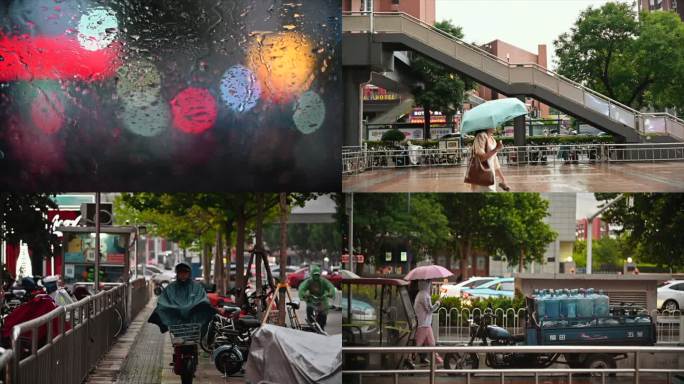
(182, 303)
(316, 286)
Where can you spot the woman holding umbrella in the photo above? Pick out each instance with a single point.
(482, 120)
(423, 305)
(485, 148)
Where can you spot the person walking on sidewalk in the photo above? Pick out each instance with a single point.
(485, 148)
(316, 291)
(424, 310)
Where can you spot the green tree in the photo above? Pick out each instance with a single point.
(606, 253)
(218, 218)
(638, 63)
(499, 224)
(440, 89)
(24, 217)
(381, 219)
(652, 224)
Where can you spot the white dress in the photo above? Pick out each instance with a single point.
(484, 143)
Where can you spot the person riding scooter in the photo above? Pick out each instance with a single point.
(316, 291)
(183, 301)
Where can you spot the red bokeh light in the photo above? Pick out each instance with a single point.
(194, 110)
(55, 57)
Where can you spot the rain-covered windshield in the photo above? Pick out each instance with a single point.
(153, 95)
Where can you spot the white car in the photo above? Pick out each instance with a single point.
(454, 290)
(671, 295)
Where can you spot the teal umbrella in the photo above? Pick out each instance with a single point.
(492, 114)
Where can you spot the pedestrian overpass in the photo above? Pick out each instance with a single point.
(372, 43)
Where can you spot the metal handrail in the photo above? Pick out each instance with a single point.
(86, 308)
(489, 55)
(636, 370)
(516, 349)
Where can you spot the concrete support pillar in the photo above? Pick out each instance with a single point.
(519, 139)
(519, 134)
(353, 79)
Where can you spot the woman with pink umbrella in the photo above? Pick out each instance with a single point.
(423, 303)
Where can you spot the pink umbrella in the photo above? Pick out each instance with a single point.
(428, 272)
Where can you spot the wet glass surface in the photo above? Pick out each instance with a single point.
(170, 95)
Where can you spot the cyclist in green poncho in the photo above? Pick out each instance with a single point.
(316, 291)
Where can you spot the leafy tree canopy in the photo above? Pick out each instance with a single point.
(24, 217)
(638, 63)
(652, 223)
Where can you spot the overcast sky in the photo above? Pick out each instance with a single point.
(523, 23)
(586, 205)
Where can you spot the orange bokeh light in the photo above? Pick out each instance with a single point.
(283, 63)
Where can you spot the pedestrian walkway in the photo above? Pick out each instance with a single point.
(142, 356)
(136, 355)
(613, 177)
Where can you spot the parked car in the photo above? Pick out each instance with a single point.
(501, 287)
(671, 295)
(296, 278)
(454, 290)
(288, 269)
(161, 276)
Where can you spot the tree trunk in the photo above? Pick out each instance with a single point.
(206, 263)
(259, 245)
(226, 267)
(426, 122)
(465, 257)
(521, 265)
(450, 122)
(240, 253)
(218, 260)
(283, 256)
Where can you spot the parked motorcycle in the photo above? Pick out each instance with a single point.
(232, 341)
(481, 328)
(185, 338)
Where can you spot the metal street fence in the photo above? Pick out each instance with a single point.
(6, 362)
(139, 296)
(635, 371)
(357, 160)
(454, 324)
(64, 345)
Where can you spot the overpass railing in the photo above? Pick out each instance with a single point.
(530, 73)
(354, 162)
(634, 353)
(62, 346)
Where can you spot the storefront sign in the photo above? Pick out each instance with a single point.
(63, 218)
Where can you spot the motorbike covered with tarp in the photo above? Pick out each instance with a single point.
(182, 303)
(294, 356)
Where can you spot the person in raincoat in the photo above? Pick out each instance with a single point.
(316, 291)
(183, 301)
(424, 309)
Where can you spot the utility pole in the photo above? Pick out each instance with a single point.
(350, 212)
(97, 243)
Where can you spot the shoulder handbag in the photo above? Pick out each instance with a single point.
(479, 172)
